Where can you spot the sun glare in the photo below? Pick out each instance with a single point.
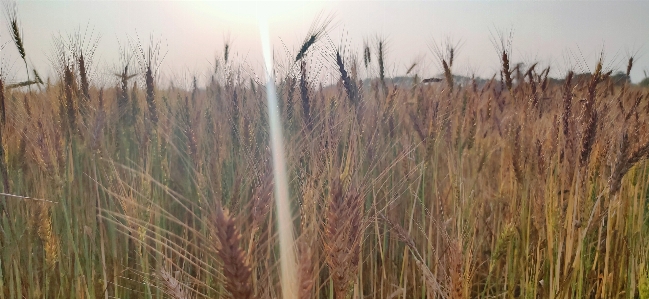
(282, 202)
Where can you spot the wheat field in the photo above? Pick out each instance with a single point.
(515, 186)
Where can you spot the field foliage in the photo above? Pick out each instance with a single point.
(518, 186)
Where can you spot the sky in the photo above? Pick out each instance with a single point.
(563, 35)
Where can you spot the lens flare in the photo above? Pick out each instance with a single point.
(284, 217)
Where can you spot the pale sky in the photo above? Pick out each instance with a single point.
(561, 34)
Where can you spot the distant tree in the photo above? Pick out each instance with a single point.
(645, 82)
(620, 78)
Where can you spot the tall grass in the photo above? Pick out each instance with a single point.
(524, 187)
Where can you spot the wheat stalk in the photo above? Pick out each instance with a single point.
(367, 54)
(304, 95)
(317, 29)
(69, 91)
(380, 53)
(291, 82)
(590, 115)
(85, 87)
(343, 236)
(3, 111)
(14, 28)
(236, 268)
(150, 95)
(350, 86)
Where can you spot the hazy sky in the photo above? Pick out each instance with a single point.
(562, 34)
